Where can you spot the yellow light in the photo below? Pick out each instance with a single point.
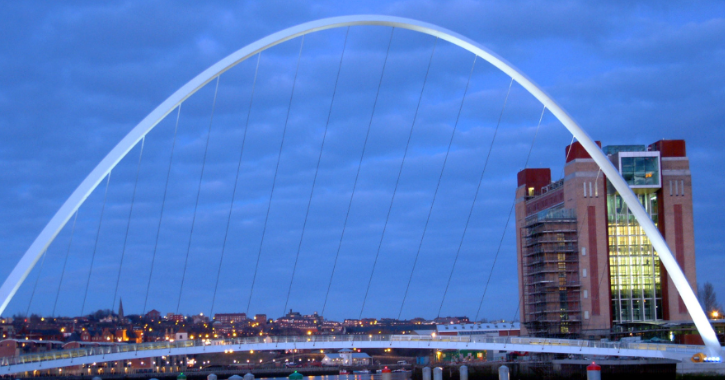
(251, 352)
(715, 314)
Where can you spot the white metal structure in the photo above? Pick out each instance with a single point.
(100, 354)
(33, 254)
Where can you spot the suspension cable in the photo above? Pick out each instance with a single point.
(128, 223)
(567, 156)
(397, 180)
(35, 286)
(161, 216)
(198, 194)
(95, 245)
(475, 198)
(65, 261)
(357, 174)
(234, 190)
(317, 169)
(508, 219)
(435, 193)
(276, 171)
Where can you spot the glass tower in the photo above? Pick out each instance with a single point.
(634, 266)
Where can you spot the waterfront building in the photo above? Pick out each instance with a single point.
(585, 265)
(346, 357)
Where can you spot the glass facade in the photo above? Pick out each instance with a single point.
(641, 171)
(634, 265)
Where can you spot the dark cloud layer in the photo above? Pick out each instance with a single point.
(76, 77)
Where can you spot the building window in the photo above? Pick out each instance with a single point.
(586, 315)
(641, 171)
(586, 294)
(584, 251)
(584, 272)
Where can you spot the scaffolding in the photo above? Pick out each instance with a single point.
(551, 274)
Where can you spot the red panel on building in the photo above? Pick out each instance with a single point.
(669, 148)
(576, 150)
(536, 178)
(679, 248)
(593, 264)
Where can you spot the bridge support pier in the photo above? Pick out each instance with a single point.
(504, 373)
(426, 373)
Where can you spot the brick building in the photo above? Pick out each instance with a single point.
(585, 265)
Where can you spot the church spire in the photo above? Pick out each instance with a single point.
(120, 309)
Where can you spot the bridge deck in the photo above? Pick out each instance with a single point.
(88, 355)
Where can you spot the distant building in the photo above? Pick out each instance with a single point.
(296, 320)
(200, 318)
(230, 317)
(451, 320)
(175, 317)
(153, 315)
(585, 265)
(260, 319)
(181, 335)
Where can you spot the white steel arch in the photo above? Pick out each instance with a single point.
(33, 254)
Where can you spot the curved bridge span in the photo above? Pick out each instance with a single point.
(89, 355)
(137, 135)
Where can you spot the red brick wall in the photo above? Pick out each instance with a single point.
(593, 264)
